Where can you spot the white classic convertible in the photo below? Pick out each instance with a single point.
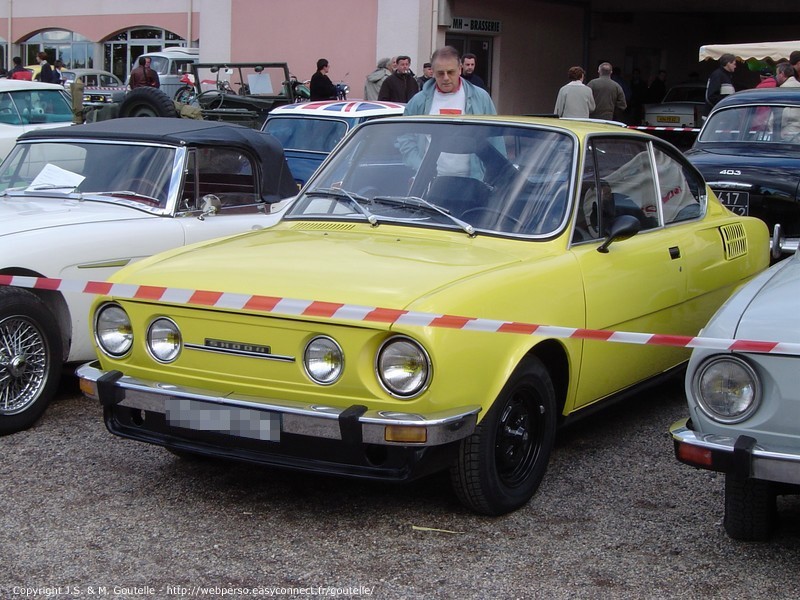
(81, 202)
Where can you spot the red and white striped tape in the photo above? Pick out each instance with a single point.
(659, 128)
(354, 312)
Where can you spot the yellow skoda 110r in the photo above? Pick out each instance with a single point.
(352, 355)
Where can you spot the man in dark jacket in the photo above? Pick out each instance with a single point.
(720, 84)
(401, 85)
(321, 87)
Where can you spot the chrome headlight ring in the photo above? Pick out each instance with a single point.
(164, 340)
(403, 367)
(727, 389)
(113, 331)
(323, 360)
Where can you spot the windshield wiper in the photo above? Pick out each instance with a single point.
(123, 193)
(418, 202)
(355, 200)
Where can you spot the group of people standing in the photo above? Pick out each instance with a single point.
(394, 81)
(46, 74)
(454, 88)
(601, 98)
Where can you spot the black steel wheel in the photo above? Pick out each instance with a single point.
(750, 508)
(500, 466)
(30, 358)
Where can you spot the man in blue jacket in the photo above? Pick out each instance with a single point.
(448, 93)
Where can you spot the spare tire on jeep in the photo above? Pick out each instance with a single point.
(147, 102)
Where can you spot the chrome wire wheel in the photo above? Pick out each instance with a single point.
(23, 364)
(31, 354)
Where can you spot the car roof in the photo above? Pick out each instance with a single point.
(185, 132)
(15, 85)
(779, 95)
(342, 108)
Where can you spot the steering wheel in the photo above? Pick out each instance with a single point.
(481, 212)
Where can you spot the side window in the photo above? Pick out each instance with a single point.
(682, 191)
(587, 227)
(8, 111)
(226, 173)
(626, 180)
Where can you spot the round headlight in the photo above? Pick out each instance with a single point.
(727, 389)
(403, 367)
(164, 340)
(323, 360)
(113, 331)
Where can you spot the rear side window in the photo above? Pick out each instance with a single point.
(681, 190)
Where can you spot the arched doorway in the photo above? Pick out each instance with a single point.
(122, 50)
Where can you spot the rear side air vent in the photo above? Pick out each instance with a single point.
(734, 240)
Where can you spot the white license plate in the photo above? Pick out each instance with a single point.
(738, 202)
(230, 420)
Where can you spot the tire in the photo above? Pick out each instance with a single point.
(147, 102)
(30, 359)
(500, 466)
(750, 508)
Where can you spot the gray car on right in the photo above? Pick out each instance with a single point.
(749, 153)
(744, 402)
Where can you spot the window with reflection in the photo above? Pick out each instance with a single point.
(496, 178)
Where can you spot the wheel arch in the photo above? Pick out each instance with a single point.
(554, 357)
(54, 301)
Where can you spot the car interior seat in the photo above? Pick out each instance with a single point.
(458, 194)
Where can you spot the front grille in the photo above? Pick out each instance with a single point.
(734, 240)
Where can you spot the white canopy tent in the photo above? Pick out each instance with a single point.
(757, 50)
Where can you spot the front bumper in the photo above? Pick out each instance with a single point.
(741, 456)
(307, 436)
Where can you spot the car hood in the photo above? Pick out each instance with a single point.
(748, 166)
(27, 214)
(770, 313)
(387, 266)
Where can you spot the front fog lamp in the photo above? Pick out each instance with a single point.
(164, 340)
(113, 330)
(323, 360)
(727, 389)
(403, 367)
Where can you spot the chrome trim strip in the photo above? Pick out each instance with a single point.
(303, 418)
(276, 357)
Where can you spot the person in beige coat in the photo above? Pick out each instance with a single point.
(575, 100)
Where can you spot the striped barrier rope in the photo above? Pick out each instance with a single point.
(353, 312)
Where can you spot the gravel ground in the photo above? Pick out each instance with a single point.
(86, 514)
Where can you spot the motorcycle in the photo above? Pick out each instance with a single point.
(301, 90)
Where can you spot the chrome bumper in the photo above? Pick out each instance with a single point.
(740, 455)
(390, 428)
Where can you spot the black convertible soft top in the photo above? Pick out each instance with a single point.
(277, 179)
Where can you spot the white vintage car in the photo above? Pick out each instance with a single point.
(744, 405)
(29, 105)
(80, 202)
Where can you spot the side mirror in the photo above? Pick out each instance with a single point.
(210, 205)
(623, 227)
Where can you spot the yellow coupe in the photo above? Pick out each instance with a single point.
(383, 329)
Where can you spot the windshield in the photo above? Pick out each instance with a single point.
(132, 172)
(753, 124)
(492, 178)
(306, 133)
(25, 107)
